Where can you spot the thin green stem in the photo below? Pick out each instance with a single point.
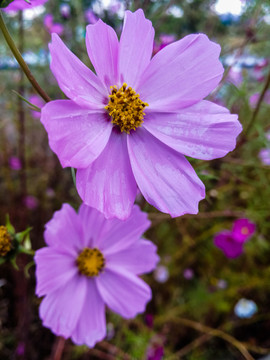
(21, 61)
(258, 105)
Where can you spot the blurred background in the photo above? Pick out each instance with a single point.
(207, 304)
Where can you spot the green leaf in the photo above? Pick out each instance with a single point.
(32, 106)
(5, 3)
(23, 236)
(10, 227)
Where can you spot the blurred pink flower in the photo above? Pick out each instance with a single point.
(255, 97)
(91, 262)
(90, 16)
(163, 41)
(17, 5)
(242, 230)
(15, 163)
(231, 242)
(188, 274)
(31, 202)
(36, 100)
(235, 76)
(52, 27)
(264, 155)
(143, 114)
(65, 11)
(227, 244)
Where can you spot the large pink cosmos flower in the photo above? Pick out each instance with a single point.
(17, 5)
(91, 262)
(133, 123)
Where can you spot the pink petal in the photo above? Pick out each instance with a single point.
(61, 310)
(76, 134)
(136, 46)
(228, 245)
(139, 258)
(108, 184)
(181, 74)
(124, 293)
(78, 82)
(91, 326)
(54, 268)
(117, 235)
(165, 177)
(102, 47)
(92, 223)
(63, 230)
(204, 131)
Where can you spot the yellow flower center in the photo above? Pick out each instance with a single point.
(90, 262)
(5, 241)
(244, 230)
(126, 108)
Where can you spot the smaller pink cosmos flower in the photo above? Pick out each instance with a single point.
(228, 245)
(91, 262)
(36, 100)
(231, 242)
(17, 5)
(52, 27)
(242, 230)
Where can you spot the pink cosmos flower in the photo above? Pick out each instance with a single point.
(242, 230)
(231, 242)
(133, 123)
(51, 26)
(17, 5)
(91, 262)
(36, 100)
(228, 245)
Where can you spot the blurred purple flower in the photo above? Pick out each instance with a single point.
(264, 155)
(17, 5)
(36, 100)
(52, 27)
(161, 274)
(227, 244)
(188, 274)
(31, 202)
(15, 163)
(235, 76)
(65, 11)
(163, 41)
(242, 230)
(167, 117)
(155, 350)
(253, 100)
(222, 284)
(92, 262)
(90, 16)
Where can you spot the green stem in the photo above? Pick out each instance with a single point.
(258, 105)
(21, 61)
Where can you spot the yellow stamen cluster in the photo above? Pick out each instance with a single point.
(126, 108)
(245, 230)
(90, 262)
(5, 241)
